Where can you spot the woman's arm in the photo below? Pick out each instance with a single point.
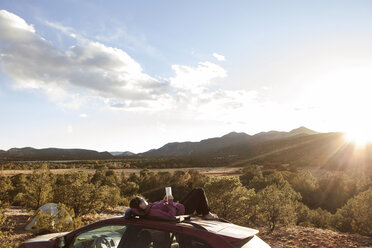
(173, 208)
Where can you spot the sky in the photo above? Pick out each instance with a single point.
(135, 75)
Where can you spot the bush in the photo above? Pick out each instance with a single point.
(277, 205)
(355, 216)
(313, 218)
(252, 177)
(129, 189)
(303, 214)
(230, 200)
(109, 196)
(77, 192)
(304, 183)
(5, 188)
(38, 188)
(5, 231)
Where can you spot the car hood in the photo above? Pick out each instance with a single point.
(46, 237)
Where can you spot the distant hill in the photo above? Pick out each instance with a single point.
(29, 153)
(271, 135)
(225, 145)
(122, 154)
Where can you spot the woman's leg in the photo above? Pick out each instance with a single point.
(197, 201)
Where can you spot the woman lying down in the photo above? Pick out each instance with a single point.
(195, 201)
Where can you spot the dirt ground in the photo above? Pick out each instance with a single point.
(313, 237)
(282, 237)
(18, 217)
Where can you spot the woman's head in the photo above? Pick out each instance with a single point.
(138, 203)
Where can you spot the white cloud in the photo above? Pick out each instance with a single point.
(90, 68)
(83, 115)
(195, 79)
(219, 57)
(13, 26)
(197, 95)
(66, 30)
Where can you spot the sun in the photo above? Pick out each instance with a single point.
(360, 137)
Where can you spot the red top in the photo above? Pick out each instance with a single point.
(161, 209)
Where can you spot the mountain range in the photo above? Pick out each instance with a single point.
(220, 145)
(225, 145)
(299, 147)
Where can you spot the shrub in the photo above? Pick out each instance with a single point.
(355, 216)
(5, 231)
(77, 192)
(230, 200)
(5, 188)
(277, 205)
(252, 177)
(38, 188)
(129, 189)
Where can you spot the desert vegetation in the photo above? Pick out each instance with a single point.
(5, 230)
(258, 198)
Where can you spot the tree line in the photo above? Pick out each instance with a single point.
(122, 163)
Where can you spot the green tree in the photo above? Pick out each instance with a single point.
(5, 189)
(304, 215)
(197, 179)
(277, 179)
(306, 184)
(129, 189)
(321, 218)
(105, 176)
(134, 178)
(277, 205)
(252, 177)
(109, 196)
(77, 192)
(38, 188)
(334, 190)
(355, 216)
(19, 183)
(230, 200)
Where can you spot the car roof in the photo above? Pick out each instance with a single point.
(219, 227)
(224, 228)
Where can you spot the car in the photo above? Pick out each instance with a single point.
(136, 232)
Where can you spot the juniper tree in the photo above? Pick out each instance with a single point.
(230, 200)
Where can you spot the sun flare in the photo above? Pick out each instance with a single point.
(359, 137)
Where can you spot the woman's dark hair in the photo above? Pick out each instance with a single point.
(135, 202)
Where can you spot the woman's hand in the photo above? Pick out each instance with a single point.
(170, 197)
